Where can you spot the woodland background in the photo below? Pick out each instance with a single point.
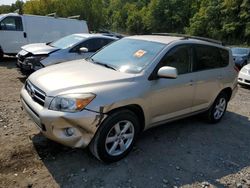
(226, 20)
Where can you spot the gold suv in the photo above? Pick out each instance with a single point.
(129, 86)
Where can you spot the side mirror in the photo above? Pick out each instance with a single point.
(83, 50)
(167, 72)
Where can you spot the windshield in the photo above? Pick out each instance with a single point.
(128, 55)
(67, 41)
(241, 51)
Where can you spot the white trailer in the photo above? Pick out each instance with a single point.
(18, 30)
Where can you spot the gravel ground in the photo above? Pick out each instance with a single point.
(186, 153)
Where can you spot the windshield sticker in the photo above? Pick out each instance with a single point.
(139, 53)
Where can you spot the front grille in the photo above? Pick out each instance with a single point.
(36, 94)
(23, 57)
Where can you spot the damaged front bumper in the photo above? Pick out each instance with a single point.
(71, 129)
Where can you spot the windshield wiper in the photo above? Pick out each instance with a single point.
(102, 64)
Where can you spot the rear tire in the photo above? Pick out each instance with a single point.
(115, 137)
(218, 109)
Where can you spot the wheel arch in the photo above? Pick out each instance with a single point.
(228, 92)
(136, 109)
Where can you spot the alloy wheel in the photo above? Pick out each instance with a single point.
(119, 138)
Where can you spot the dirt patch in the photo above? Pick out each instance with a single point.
(187, 153)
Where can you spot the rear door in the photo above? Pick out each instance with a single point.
(12, 35)
(209, 63)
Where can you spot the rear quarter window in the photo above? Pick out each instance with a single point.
(209, 57)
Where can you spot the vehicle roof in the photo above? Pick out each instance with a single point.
(169, 39)
(89, 35)
(156, 38)
(30, 15)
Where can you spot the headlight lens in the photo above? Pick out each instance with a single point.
(35, 60)
(71, 102)
(244, 70)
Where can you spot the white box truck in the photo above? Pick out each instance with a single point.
(18, 30)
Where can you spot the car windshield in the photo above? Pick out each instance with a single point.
(67, 41)
(128, 55)
(241, 51)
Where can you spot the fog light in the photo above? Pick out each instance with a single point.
(69, 131)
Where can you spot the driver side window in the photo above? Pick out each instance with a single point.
(11, 23)
(179, 58)
(91, 44)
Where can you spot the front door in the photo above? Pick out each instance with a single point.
(12, 35)
(174, 97)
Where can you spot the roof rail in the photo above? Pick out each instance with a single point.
(74, 17)
(190, 37)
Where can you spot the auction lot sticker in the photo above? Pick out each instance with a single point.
(139, 53)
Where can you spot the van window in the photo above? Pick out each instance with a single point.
(209, 57)
(11, 23)
(178, 58)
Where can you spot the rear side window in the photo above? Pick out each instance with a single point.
(208, 57)
(12, 23)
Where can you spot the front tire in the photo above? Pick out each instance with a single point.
(218, 109)
(115, 137)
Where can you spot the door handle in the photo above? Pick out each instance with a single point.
(24, 34)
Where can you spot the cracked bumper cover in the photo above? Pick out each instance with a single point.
(53, 123)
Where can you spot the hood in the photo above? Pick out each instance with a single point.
(247, 66)
(39, 48)
(239, 55)
(73, 75)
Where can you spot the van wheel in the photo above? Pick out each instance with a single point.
(218, 109)
(115, 137)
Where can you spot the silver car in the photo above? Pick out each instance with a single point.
(131, 85)
(77, 46)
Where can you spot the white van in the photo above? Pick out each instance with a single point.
(18, 30)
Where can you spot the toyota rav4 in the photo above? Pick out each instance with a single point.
(133, 84)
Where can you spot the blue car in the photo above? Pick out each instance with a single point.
(241, 56)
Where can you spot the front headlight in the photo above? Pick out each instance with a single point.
(244, 70)
(71, 102)
(35, 60)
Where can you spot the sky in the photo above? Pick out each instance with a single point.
(7, 2)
